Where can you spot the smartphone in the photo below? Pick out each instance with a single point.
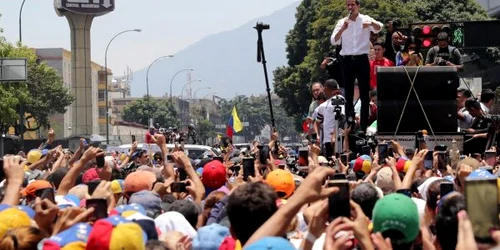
(366, 150)
(170, 159)
(133, 138)
(248, 167)
(440, 147)
(383, 152)
(406, 192)
(442, 160)
(428, 159)
(219, 158)
(178, 187)
(100, 208)
(2, 173)
(446, 188)
(263, 153)
(481, 197)
(100, 161)
(339, 203)
(182, 174)
(314, 138)
(344, 159)
(490, 157)
(92, 185)
(235, 169)
(303, 156)
(339, 177)
(46, 193)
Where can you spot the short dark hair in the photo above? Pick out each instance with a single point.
(487, 95)
(433, 192)
(316, 83)
(366, 196)
(156, 245)
(442, 36)
(322, 97)
(249, 207)
(331, 84)
(379, 42)
(465, 92)
(472, 103)
(447, 221)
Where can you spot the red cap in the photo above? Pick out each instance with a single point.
(214, 175)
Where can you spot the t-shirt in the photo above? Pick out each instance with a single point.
(326, 115)
(468, 119)
(149, 138)
(384, 62)
(449, 53)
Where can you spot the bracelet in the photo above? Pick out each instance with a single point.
(310, 237)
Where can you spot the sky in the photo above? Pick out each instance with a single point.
(168, 26)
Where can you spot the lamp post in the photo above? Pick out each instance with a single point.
(20, 22)
(147, 72)
(182, 91)
(211, 93)
(196, 91)
(172, 81)
(106, 79)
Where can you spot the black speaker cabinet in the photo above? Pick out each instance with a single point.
(435, 86)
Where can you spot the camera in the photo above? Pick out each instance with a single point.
(441, 61)
(262, 26)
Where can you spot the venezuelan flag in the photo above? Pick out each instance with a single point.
(234, 124)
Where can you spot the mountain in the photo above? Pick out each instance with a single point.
(226, 62)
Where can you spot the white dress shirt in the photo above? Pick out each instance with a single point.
(355, 39)
(326, 115)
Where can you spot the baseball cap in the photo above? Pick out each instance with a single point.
(138, 180)
(384, 180)
(147, 224)
(214, 175)
(11, 218)
(117, 186)
(124, 210)
(74, 237)
(403, 164)
(90, 175)
(397, 213)
(35, 186)
(149, 200)
(282, 181)
(34, 156)
(363, 163)
(116, 232)
(271, 243)
(210, 237)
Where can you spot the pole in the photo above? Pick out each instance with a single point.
(172, 81)
(106, 79)
(20, 22)
(261, 57)
(147, 73)
(185, 85)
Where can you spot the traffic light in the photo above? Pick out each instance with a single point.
(427, 32)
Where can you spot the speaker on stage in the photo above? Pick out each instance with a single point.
(436, 88)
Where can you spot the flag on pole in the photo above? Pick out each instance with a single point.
(234, 124)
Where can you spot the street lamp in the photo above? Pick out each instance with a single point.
(106, 79)
(196, 91)
(211, 93)
(172, 80)
(147, 72)
(182, 91)
(20, 22)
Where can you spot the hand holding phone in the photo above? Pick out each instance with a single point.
(248, 168)
(383, 152)
(429, 159)
(303, 157)
(339, 203)
(178, 187)
(100, 208)
(481, 197)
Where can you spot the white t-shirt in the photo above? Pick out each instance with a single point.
(326, 115)
(485, 109)
(468, 119)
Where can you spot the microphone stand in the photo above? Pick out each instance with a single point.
(261, 57)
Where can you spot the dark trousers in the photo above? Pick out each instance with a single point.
(357, 67)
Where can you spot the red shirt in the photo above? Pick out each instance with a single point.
(373, 73)
(149, 138)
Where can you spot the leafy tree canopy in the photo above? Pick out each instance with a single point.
(309, 40)
(42, 95)
(141, 110)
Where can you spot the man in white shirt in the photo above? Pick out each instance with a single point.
(464, 118)
(353, 32)
(326, 116)
(487, 100)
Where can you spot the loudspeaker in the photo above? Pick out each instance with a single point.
(437, 89)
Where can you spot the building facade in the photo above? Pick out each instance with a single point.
(491, 6)
(60, 59)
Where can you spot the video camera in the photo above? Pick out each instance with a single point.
(367, 139)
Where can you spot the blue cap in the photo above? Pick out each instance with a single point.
(481, 174)
(271, 243)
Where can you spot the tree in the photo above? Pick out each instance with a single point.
(141, 110)
(316, 20)
(42, 95)
(206, 130)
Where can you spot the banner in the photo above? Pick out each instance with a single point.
(408, 141)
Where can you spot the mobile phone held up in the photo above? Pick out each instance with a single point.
(481, 198)
(339, 203)
(100, 208)
(428, 159)
(248, 167)
(383, 152)
(178, 187)
(303, 157)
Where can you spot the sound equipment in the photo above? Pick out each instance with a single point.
(436, 87)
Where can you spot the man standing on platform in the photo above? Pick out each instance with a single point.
(353, 32)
